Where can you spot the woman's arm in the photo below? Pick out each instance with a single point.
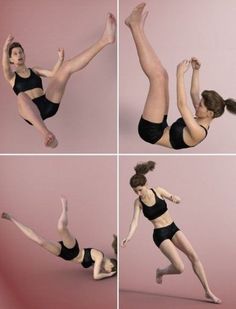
(97, 273)
(51, 73)
(195, 129)
(171, 197)
(7, 71)
(134, 223)
(195, 89)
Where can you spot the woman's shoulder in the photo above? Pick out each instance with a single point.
(137, 202)
(157, 189)
(96, 254)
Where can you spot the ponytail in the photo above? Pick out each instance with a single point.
(144, 167)
(231, 105)
(141, 169)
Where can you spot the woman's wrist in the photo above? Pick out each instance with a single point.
(6, 49)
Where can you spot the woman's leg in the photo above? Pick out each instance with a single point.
(176, 266)
(157, 102)
(183, 244)
(53, 248)
(67, 238)
(29, 111)
(57, 86)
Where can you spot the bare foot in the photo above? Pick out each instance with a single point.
(137, 17)
(213, 298)
(6, 216)
(109, 34)
(158, 276)
(50, 140)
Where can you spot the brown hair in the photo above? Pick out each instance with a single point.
(114, 243)
(114, 263)
(215, 103)
(141, 169)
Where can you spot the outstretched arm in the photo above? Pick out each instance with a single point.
(169, 196)
(7, 71)
(51, 73)
(134, 223)
(195, 89)
(97, 273)
(194, 128)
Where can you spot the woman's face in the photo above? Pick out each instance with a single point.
(202, 111)
(108, 266)
(140, 191)
(17, 56)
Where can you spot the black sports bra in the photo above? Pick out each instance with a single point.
(87, 260)
(176, 134)
(23, 84)
(155, 211)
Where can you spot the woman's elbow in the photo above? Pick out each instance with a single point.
(96, 276)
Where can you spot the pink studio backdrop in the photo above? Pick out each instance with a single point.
(30, 188)
(179, 30)
(88, 107)
(206, 215)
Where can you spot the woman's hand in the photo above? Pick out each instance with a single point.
(8, 41)
(112, 273)
(175, 199)
(61, 54)
(124, 242)
(196, 64)
(63, 200)
(183, 66)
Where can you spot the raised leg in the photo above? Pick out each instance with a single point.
(176, 266)
(29, 111)
(58, 83)
(183, 244)
(53, 248)
(67, 238)
(157, 102)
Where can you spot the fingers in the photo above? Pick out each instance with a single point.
(123, 243)
(112, 16)
(9, 39)
(185, 61)
(195, 62)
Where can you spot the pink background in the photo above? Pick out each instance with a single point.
(88, 107)
(29, 189)
(206, 215)
(178, 30)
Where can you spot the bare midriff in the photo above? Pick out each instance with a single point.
(162, 221)
(34, 93)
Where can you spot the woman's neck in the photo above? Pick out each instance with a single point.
(21, 68)
(204, 121)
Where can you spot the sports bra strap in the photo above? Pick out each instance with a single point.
(206, 131)
(154, 192)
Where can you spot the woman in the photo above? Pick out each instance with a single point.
(166, 234)
(35, 105)
(189, 130)
(68, 248)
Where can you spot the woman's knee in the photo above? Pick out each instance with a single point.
(179, 267)
(194, 259)
(158, 73)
